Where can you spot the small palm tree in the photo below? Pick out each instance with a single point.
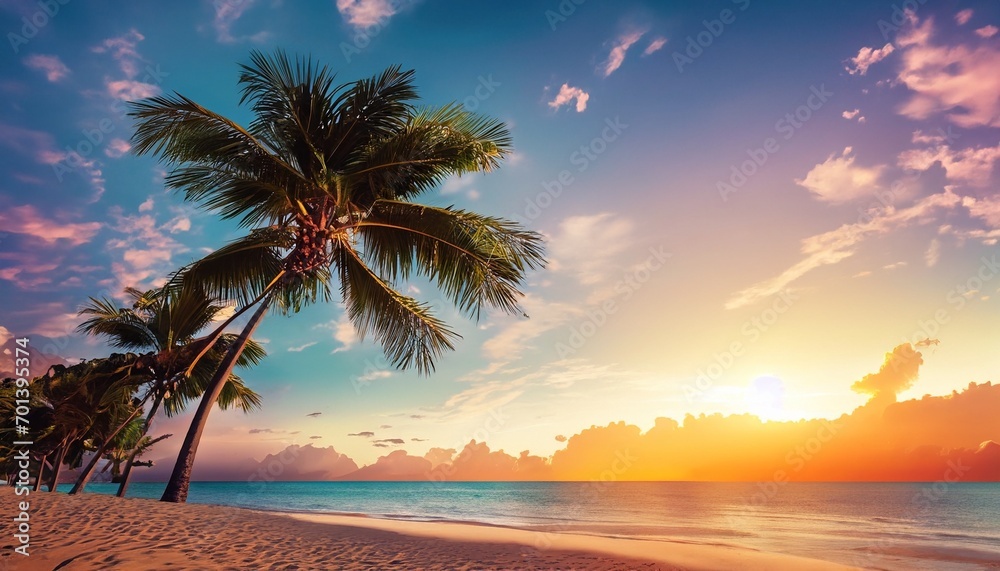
(324, 178)
(165, 322)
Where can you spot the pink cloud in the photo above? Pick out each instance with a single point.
(123, 50)
(655, 46)
(567, 94)
(987, 31)
(129, 90)
(956, 80)
(52, 66)
(838, 179)
(868, 57)
(28, 221)
(618, 51)
(362, 13)
(117, 148)
(963, 17)
(972, 166)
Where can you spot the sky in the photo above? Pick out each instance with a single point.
(747, 207)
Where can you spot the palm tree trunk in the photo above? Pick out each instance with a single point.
(88, 472)
(57, 467)
(180, 478)
(41, 473)
(123, 485)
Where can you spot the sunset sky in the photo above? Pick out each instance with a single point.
(746, 205)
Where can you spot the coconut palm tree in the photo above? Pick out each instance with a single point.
(165, 322)
(324, 178)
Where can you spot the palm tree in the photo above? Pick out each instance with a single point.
(165, 322)
(324, 178)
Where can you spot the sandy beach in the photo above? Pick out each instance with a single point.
(96, 532)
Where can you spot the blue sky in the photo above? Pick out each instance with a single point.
(869, 211)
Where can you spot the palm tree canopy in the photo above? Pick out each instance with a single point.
(324, 177)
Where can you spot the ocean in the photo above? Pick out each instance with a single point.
(892, 526)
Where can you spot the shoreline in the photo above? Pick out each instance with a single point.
(94, 531)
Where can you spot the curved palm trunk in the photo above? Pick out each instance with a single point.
(123, 485)
(88, 472)
(180, 478)
(57, 467)
(41, 473)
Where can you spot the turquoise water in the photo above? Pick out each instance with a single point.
(953, 527)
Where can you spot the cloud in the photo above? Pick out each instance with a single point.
(963, 17)
(343, 332)
(957, 80)
(226, 14)
(147, 249)
(52, 66)
(418, 440)
(987, 31)
(124, 51)
(315, 437)
(40, 146)
(933, 253)
(117, 148)
(560, 438)
(868, 57)
(897, 373)
(655, 46)
(894, 266)
(837, 245)
(850, 114)
(28, 221)
(301, 348)
(366, 434)
(838, 179)
(131, 90)
(384, 426)
(566, 96)
(261, 431)
(394, 441)
(361, 13)
(146, 205)
(618, 51)
(586, 245)
(314, 414)
(986, 208)
(972, 166)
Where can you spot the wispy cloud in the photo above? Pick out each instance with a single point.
(963, 17)
(29, 221)
(227, 12)
(837, 245)
(117, 148)
(987, 31)
(655, 46)
(301, 348)
(957, 80)
(363, 13)
(567, 95)
(53, 68)
(124, 51)
(618, 50)
(971, 165)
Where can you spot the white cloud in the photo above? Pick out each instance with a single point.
(894, 266)
(850, 114)
(837, 245)
(363, 13)
(343, 332)
(838, 179)
(52, 66)
(618, 51)
(566, 96)
(986, 209)
(959, 81)
(302, 348)
(972, 166)
(933, 253)
(655, 46)
(868, 57)
(179, 224)
(129, 90)
(586, 246)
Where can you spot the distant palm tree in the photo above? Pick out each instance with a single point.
(165, 322)
(324, 177)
